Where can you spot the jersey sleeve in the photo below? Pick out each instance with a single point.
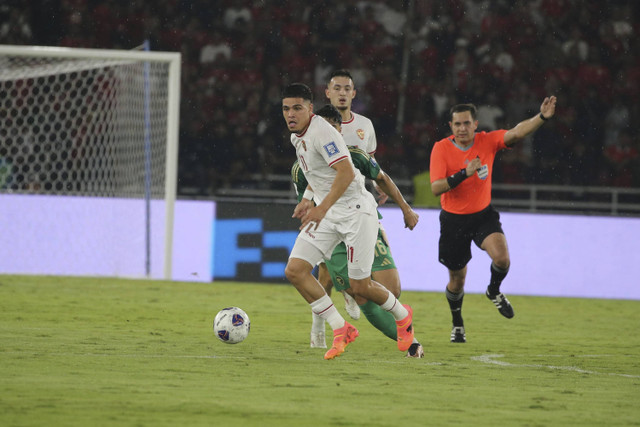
(438, 163)
(364, 163)
(299, 180)
(372, 145)
(497, 136)
(331, 146)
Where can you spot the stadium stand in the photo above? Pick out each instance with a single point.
(503, 55)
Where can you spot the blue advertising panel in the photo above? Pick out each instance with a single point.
(551, 255)
(252, 241)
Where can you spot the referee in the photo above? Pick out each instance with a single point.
(461, 168)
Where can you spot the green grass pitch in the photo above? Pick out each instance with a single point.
(112, 352)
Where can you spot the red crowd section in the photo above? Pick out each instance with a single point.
(502, 55)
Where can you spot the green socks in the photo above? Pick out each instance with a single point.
(380, 319)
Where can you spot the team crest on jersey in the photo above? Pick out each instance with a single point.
(360, 133)
(331, 149)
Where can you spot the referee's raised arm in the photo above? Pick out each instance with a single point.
(527, 127)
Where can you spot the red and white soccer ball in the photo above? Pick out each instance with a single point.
(231, 325)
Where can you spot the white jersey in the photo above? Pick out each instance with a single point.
(319, 147)
(359, 132)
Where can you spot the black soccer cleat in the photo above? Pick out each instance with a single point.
(416, 351)
(502, 304)
(457, 334)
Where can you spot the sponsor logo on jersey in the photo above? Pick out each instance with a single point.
(360, 133)
(331, 149)
(483, 172)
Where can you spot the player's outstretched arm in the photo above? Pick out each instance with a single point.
(527, 127)
(390, 188)
(382, 196)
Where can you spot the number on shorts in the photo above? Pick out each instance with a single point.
(381, 249)
(350, 253)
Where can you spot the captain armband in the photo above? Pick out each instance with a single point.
(455, 179)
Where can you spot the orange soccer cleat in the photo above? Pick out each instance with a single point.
(341, 337)
(405, 330)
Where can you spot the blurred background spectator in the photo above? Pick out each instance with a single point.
(502, 55)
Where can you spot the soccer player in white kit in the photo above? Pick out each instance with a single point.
(357, 130)
(345, 211)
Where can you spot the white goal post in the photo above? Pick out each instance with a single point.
(92, 124)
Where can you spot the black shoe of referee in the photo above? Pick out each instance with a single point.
(458, 335)
(502, 304)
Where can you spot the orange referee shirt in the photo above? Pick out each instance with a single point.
(447, 158)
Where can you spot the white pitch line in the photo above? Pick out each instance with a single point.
(490, 359)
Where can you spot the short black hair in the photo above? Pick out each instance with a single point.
(462, 108)
(298, 90)
(330, 113)
(341, 73)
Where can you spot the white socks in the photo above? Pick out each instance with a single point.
(325, 309)
(393, 306)
(317, 323)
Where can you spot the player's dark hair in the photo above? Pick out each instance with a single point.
(298, 90)
(462, 108)
(341, 73)
(330, 113)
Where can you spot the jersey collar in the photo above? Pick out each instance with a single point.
(353, 117)
(301, 134)
(460, 147)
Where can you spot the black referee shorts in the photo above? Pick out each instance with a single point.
(457, 232)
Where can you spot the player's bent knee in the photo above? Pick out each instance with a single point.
(390, 279)
(296, 269)
(359, 287)
(502, 262)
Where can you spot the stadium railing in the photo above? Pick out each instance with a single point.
(588, 200)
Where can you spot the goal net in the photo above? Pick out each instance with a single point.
(89, 125)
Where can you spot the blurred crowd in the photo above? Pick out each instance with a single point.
(411, 61)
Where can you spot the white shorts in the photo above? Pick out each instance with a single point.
(359, 232)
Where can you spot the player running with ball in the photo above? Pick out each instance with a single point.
(334, 272)
(345, 212)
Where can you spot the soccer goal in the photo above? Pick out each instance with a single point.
(88, 160)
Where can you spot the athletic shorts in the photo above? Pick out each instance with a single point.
(458, 231)
(358, 230)
(337, 265)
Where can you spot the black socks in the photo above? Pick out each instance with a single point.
(497, 276)
(455, 304)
